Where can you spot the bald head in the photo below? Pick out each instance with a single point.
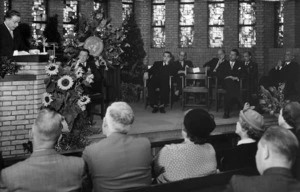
(182, 56)
(289, 56)
(47, 126)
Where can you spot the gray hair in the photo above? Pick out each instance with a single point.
(48, 125)
(120, 117)
(282, 142)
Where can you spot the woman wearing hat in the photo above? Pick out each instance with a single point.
(250, 128)
(192, 158)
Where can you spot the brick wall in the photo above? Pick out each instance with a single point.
(19, 105)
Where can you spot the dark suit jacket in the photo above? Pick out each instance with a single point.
(178, 66)
(159, 74)
(119, 162)
(9, 44)
(96, 86)
(44, 171)
(273, 180)
(251, 77)
(290, 75)
(212, 64)
(241, 156)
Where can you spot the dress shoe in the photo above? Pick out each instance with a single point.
(162, 110)
(155, 110)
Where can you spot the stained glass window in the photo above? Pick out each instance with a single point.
(216, 23)
(186, 23)
(279, 24)
(39, 14)
(6, 5)
(70, 18)
(158, 23)
(247, 21)
(127, 8)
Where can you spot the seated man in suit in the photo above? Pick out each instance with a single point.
(159, 75)
(87, 63)
(120, 162)
(10, 37)
(250, 78)
(45, 170)
(275, 156)
(179, 70)
(231, 72)
(212, 65)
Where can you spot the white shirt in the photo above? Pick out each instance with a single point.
(245, 141)
(232, 64)
(10, 31)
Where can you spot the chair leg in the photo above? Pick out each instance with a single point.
(183, 100)
(102, 108)
(217, 102)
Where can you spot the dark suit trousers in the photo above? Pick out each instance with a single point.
(160, 97)
(232, 95)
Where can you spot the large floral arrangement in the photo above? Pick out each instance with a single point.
(97, 34)
(8, 66)
(272, 99)
(65, 93)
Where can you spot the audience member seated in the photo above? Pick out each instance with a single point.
(159, 75)
(213, 65)
(119, 162)
(250, 128)
(230, 73)
(180, 67)
(45, 170)
(250, 79)
(276, 153)
(193, 157)
(289, 118)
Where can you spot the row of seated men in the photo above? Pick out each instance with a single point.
(228, 72)
(122, 162)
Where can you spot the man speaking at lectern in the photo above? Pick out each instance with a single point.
(10, 37)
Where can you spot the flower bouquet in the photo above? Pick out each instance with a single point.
(272, 100)
(65, 93)
(8, 66)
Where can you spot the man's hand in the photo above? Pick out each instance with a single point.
(181, 72)
(233, 78)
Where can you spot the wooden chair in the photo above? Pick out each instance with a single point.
(171, 89)
(192, 89)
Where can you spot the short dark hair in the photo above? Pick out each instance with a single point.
(168, 52)
(10, 13)
(85, 50)
(282, 141)
(198, 124)
(248, 52)
(223, 51)
(236, 52)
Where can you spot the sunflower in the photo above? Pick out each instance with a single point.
(79, 72)
(52, 69)
(84, 100)
(90, 78)
(47, 99)
(65, 82)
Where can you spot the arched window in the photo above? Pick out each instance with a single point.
(247, 22)
(186, 23)
(216, 23)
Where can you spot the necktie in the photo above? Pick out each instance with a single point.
(11, 33)
(231, 64)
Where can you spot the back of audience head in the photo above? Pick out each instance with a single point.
(197, 125)
(118, 118)
(47, 127)
(278, 147)
(250, 124)
(289, 116)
